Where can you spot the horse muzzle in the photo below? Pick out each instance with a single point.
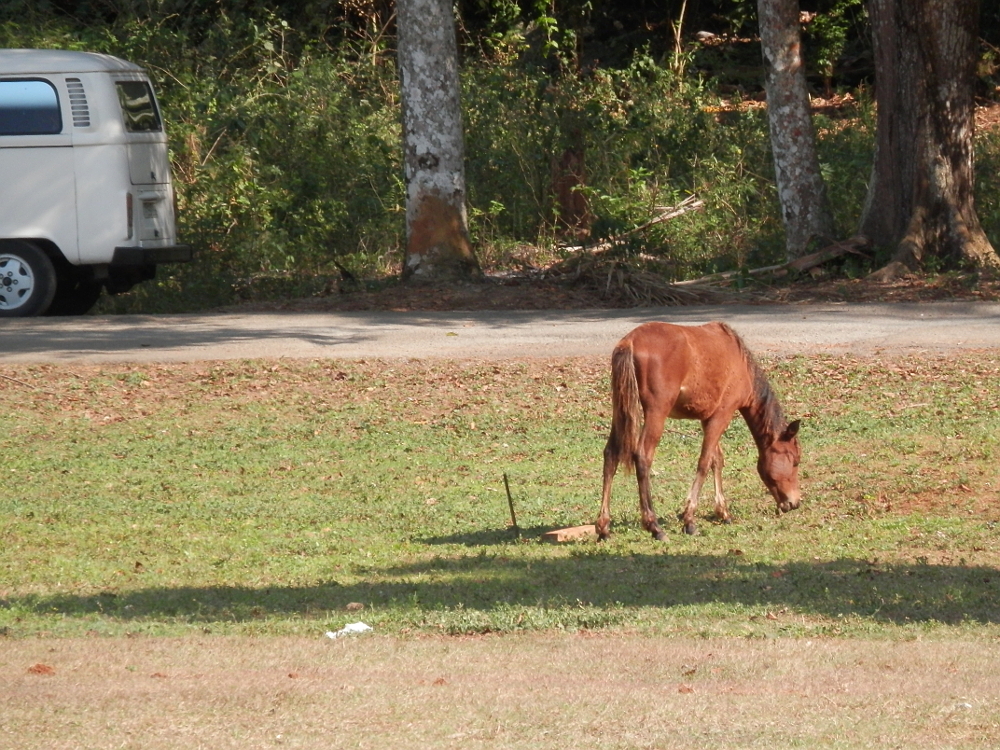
(789, 503)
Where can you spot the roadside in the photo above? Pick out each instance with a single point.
(540, 290)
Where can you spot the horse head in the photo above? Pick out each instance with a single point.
(778, 466)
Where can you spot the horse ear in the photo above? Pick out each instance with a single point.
(792, 430)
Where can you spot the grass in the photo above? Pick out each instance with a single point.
(262, 498)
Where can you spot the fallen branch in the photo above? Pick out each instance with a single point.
(27, 385)
(691, 203)
(853, 246)
(836, 250)
(726, 275)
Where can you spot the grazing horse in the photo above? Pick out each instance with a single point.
(704, 372)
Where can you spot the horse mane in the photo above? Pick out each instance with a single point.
(765, 410)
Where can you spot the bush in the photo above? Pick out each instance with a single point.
(287, 160)
(282, 163)
(650, 138)
(987, 185)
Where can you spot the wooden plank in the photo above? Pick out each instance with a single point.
(571, 534)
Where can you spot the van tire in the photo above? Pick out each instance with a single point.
(74, 296)
(27, 279)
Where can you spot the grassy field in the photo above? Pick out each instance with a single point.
(290, 498)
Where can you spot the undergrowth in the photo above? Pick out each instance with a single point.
(286, 154)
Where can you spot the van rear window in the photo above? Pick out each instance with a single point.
(29, 107)
(138, 107)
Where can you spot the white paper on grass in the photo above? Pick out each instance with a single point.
(353, 628)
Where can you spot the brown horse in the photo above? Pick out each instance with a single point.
(704, 372)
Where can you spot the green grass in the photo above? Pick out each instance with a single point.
(262, 498)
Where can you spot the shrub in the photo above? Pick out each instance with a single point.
(287, 161)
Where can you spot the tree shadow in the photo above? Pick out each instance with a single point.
(489, 537)
(897, 594)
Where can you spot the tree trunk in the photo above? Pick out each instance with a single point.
(920, 196)
(438, 248)
(805, 209)
(569, 175)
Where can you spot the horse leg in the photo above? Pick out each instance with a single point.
(603, 522)
(712, 430)
(721, 509)
(652, 431)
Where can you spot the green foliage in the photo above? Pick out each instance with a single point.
(285, 139)
(987, 186)
(283, 162)
(829, 27)
(828, 33)
(650, 138)
(845, 146)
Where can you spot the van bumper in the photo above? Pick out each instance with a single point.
(151, 256)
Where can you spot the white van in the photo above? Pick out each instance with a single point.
(86, 201)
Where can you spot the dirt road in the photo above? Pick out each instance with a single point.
(780, 329)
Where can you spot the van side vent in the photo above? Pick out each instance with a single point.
(78, 103)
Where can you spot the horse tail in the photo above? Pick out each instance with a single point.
(627, 411)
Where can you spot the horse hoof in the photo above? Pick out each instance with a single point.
(690, 529)
(659, 536)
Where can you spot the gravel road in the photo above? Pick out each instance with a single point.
(779, 329)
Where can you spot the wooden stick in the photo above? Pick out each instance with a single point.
(510, 502)
(26, 385)
(855, 245)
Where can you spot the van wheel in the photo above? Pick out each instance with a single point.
(27, 280)
(74, 296)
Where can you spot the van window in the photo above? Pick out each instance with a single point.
(29, 107)
(138, 107)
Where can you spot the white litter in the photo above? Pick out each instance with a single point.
(353, 628)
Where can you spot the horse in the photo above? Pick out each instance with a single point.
(661, 370)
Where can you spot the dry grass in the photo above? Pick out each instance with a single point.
(537, 691)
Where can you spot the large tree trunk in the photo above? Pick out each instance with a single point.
(804, 205)
(920, 197)
(438, 248)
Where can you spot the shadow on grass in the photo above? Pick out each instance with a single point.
(897, 594)
(489, 537)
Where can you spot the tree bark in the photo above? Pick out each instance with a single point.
(921, 194)
(805, 208)
(438, 248)
(569, 175)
